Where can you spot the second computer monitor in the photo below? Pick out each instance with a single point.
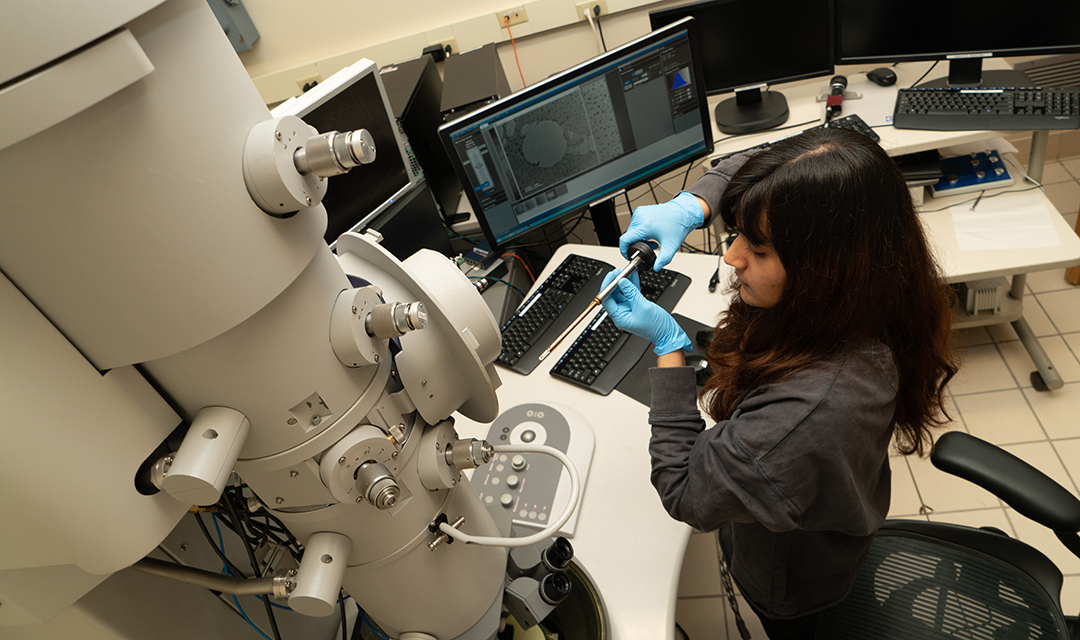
(884, 31)
(567, 142)
(747, 45)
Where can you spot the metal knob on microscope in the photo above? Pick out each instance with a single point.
(469, 454)
(377, 485)
(395, 319)
(333, 153)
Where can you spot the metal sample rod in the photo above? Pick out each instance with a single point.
(639, 252)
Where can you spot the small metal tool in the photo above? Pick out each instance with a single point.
(640, 252)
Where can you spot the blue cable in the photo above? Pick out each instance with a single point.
(221, 543)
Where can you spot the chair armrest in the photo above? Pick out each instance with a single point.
(1020, 485)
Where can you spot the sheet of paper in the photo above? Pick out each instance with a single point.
(1003, 224)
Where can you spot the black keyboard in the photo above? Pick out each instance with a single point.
(549, 310)
(853, 122)
(603, 354)
(1001, 109)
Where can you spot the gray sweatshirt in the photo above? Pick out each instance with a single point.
(797, 480)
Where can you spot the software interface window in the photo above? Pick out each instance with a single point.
(991, 398)
(523, 165)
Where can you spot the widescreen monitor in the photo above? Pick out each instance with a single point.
(747, 45)
(888, 31)
(583, 135)
(354, 98)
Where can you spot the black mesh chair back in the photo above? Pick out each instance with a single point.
(927, 580)
(932, 580)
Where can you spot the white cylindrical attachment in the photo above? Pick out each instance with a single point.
(395, 319)
(377, 485)
(270, 173)
(318, 581)
(332, 153)
(202, 466)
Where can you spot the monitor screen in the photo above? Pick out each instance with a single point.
(583, 135)
(351, 99)
(884, 31)
(748, 44)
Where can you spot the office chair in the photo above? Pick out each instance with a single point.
(936, 580)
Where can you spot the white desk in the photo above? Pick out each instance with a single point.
(624, 538)
(875, 107)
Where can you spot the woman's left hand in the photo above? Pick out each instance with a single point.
(631, 311)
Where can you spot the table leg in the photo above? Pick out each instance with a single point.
(1046, 377)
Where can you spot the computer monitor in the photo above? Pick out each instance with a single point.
(582, 136)
(887, 31)
(747, 45)
(351, 99)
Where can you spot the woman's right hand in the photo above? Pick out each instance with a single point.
(631, 311)
(668, 224)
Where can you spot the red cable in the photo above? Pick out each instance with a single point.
(513, 44)
(527, 269)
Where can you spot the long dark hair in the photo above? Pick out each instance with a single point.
(837, 211)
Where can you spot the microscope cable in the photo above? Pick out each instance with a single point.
(552, 529)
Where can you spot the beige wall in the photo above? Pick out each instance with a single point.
(301, 41)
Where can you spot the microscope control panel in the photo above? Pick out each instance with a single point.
(534, 486)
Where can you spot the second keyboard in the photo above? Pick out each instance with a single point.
(1002, 109)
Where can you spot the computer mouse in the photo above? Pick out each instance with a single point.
(882, 76)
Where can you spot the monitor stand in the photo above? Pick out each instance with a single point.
(751, 110)
(968, 73)
(605, 222)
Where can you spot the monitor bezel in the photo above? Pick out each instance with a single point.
(681, 9)
(341, 81)
(944, 55)
(573, 75)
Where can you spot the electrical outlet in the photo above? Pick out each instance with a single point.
(448, 42)
(517, 15)
(308, 82)
(582, 7)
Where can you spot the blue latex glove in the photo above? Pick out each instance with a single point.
(667, 223)
(633, 312)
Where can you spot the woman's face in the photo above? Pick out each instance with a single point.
(760, 272)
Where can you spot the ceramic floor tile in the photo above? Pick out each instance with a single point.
(1003, 332)
(1043, 281)
(1073, 340)
(1072, 165)
(700, 571)
(1070, 595)
(1036, 317)
(1065, 196)
(1000, 417)
(703, 618)
(1043, 539)
(1056, 172)
(1063, 307)
(1061, 356)
(942, 492)
(972, 337)
(905, 496)
(1058, 410)
(977, 518)
(982, 369)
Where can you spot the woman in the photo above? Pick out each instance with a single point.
(836, 340)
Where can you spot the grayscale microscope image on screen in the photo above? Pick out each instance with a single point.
(557, 140)
(559, 146)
